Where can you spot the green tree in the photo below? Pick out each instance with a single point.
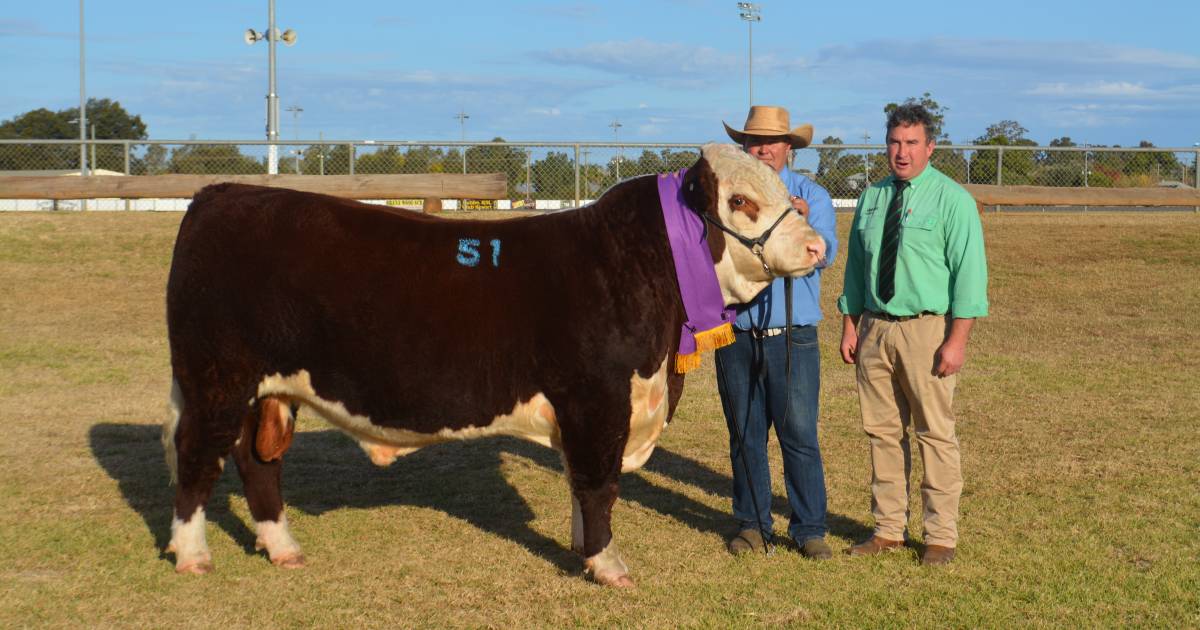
(648, 162)
(827, 158)
(1005, 132)
(152, 162)
(495, 158)
(422, 159)
(214, 159)
(1154, 166)
(1018, 167)
(935, 109)
(676, 160)
(108, 117)
(950, 162)
(554, 176)
(388, 159)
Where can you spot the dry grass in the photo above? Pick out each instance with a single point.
(1078, 418)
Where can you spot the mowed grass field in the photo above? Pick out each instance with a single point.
(1079, 417)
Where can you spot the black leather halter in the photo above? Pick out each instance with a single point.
(756, 245)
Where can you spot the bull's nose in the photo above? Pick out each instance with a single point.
(816, 248)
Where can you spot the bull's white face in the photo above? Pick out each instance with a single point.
(750, 199)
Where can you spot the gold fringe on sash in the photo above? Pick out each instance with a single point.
(706, 340)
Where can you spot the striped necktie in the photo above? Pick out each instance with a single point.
(891, 243)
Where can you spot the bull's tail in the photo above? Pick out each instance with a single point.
(168, 431)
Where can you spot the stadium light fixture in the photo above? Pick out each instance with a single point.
(750, 13)
(272, 35)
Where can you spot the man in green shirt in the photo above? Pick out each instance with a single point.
(915, 280)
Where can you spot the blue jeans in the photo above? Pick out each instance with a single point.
(752, 379)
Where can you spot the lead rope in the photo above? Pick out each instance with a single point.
(740, 432)
(757, 246)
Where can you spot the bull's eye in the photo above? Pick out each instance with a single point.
(737, 201)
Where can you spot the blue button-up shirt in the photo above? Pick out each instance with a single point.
(769, 309)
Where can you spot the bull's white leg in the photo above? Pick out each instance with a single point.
(607, 567)
(189, 545)
(576, 526)
(274, 537)
(168, 431)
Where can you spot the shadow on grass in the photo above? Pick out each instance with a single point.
(703, 518)
(325, 470)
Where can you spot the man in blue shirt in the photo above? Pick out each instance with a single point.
(756, 391)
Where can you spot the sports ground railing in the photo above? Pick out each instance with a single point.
(556, 175)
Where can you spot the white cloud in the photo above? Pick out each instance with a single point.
(1097, 88)
(644, 59)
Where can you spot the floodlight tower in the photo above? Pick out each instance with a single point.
(271, 35)
(750, 13)
(83, 163)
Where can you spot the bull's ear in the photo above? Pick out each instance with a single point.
(700, 188)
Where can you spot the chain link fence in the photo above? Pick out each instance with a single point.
(559, 175)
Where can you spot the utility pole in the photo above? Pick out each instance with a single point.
(616, 126)
(866, 161)
(295, 110)
(462, 126)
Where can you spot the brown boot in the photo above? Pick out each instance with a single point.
(746, 541)
(937, 555)
(874, 545)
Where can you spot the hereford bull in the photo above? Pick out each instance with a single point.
(405, 330)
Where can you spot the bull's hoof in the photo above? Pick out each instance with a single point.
(195, 567)
(616, 580)
(293, 561)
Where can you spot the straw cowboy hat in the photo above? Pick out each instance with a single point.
(771, 121)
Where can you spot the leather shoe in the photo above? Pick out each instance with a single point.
(746, 541)
(937, 555)
(874, 545)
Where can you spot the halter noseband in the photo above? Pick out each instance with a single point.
(756, 245)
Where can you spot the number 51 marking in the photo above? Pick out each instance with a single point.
(468, 252)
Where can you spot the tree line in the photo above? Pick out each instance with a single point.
(551, 174)
(841, 171)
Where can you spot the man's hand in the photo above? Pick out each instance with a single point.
(952, 354)
(949, 358)
(801, 206)
(849, 339)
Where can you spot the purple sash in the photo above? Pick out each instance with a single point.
(709, 323)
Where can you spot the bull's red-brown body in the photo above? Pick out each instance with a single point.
(404, 330)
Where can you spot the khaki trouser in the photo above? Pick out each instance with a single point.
(896, 387)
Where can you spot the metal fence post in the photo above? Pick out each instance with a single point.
(1000, 166)
(350, 152)
(126, 145)
(576, 174)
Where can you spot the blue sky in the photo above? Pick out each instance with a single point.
(670, 71)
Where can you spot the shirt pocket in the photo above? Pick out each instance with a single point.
(868, 230)
(922, 235)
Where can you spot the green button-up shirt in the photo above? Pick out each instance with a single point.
(940, 264)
